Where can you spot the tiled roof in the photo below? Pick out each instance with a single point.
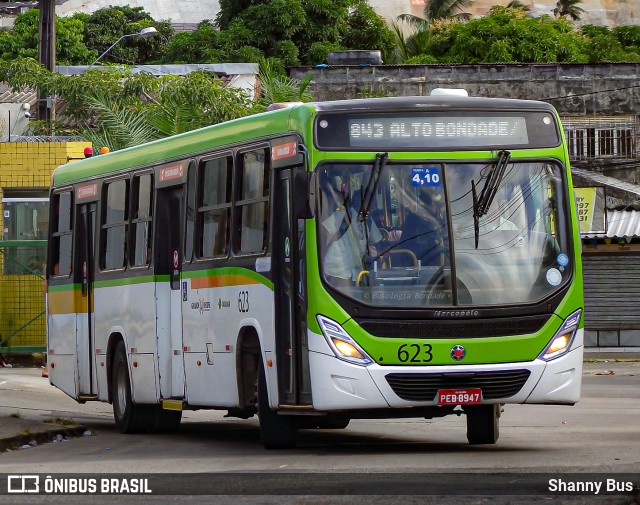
(26, 95)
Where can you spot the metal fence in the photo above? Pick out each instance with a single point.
(22, 303)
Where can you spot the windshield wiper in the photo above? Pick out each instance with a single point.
(368, 194)
(482, 203)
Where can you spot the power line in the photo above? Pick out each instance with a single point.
(593, 92)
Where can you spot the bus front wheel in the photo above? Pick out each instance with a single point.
(130, 418)
(483, 423)
(277, 432)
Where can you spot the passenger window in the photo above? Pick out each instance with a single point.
(141, 220)
(60, 262)
(214, 207)
(191, 211)
(253, 202)
(114, 225)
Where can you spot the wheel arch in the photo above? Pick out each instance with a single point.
(115, 338)
(248, 356)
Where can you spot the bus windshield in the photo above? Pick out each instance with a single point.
(415, 238)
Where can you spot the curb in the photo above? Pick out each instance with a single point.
(41, 437)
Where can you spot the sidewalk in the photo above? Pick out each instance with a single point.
(17, 431)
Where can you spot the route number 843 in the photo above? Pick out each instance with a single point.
(415, 353)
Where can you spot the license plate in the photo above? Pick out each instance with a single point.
(459, 396)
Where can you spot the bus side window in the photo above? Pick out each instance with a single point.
(191, 211)
(214, 207)
(60, 258)
(114, 225)
(252, 205)
(141, 222)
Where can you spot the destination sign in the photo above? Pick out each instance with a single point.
(441, 131)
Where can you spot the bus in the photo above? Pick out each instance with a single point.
(269, 266)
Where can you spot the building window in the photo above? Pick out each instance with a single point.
(601, 137)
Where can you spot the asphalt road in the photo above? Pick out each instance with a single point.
(599, 437)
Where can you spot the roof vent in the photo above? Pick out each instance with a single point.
(449, 92)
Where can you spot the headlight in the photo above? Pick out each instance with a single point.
(343, 346)
(561, 341)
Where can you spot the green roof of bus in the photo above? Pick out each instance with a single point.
(178, 146)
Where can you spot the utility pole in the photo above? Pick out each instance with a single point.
(47, 54)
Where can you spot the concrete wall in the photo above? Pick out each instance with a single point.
(605, 89)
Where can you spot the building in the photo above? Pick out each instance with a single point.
(25, 172)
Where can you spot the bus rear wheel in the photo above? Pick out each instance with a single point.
(129, 418)
(277, 432)
(483, 423)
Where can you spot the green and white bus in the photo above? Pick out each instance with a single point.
(374, 258)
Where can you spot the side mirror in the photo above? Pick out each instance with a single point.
(304, 198)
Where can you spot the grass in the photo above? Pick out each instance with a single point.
(15, 415)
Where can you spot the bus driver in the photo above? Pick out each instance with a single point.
(355, 246)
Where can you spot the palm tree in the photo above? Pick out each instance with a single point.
(568, 8)
(438, 9)
(516, 4)
(413, 44)
(446, 9)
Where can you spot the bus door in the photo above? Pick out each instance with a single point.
(168, 270)
(84, 270)
(292, 358)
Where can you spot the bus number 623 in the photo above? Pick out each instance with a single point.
(243, 301)
(415, 353)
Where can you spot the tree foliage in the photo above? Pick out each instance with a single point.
(118, 108)
(23, 39)
(568, 9)
(294, 31)
(105, 26)
(508, 35)
(447, 9)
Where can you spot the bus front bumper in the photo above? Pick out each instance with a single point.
(339, 385)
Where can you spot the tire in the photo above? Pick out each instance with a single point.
(483, 422)
(129, 418)
(277, 432)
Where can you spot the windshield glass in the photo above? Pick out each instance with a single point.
(411, 241)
